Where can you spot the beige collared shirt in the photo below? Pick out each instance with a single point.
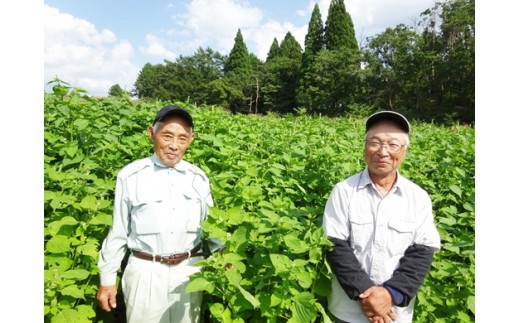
(157, 209)
(379, 230)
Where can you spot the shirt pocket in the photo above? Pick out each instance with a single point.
(192, 207)
(401, 236)
(146, 216)
(361, 230)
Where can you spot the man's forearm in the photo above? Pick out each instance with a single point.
(347, 269)
(413, 268)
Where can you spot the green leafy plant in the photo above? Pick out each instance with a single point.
(270, 179)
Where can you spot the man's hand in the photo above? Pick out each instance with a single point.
(376, 303)
(106, 296)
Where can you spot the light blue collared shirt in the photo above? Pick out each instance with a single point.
(157, 209)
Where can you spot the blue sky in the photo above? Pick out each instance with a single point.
(95, 44)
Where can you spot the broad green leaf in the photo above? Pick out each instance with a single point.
(456, 189)
(302, 312)
(249, 297)
(233, 276)
(73, 290)
(90, 248)
(295, 244)
(58, 244)
(471, 304)
(81, 124)
(324, 315)
(71, 150)
(89, 203)
(463, 317)
(281, 263)
(66, 315)
(55, 226)
(64, 110)
(200, 284)
(76, 274)
(102, 219)
(304, 279)
(86, 311)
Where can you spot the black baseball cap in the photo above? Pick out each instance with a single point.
(398, 118)
(174, 110)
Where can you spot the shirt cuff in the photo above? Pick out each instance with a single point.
(107, 279)
(397, 297)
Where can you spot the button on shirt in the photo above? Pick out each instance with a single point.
(157, 210)
(379, 230)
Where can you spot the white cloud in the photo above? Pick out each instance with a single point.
(77, 53)
(263, 36)
(213, 22)
(374, 16)
(157, 47)
(218, 21)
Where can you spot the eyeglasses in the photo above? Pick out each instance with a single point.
(391, 147)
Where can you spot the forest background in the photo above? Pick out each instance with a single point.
(426, 71)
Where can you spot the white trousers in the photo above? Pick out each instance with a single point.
(154, 292)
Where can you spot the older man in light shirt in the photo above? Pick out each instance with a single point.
(383, 231)
(160, 202)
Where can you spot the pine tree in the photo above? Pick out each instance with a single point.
(281, 75)
(290, 48)
(314, 40)
(339, 29)
(274, 50)
(238, 59)
(314, 43)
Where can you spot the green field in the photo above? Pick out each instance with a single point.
(270, 178)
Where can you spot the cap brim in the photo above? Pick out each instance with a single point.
(398, 118)
(174, 111)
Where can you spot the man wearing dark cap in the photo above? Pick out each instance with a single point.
(160, 202)
(383, 231)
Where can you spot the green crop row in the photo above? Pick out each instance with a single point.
(270, 179)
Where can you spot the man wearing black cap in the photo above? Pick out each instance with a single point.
(160, 202)
(383, 231)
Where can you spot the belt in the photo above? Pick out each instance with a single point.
(169, 259)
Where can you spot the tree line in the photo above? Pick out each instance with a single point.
(426, 70)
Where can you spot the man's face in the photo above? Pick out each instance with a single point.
(171, 139)
(380, 161)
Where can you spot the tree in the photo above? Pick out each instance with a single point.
(315, 38)
(280, 76)
(186, 79)
(238, 59)
(116, 90)
(339, 29)
(241, 72)
(153, 82)
(274, 50)
(332, 79)
(393, 72)
(457, 68)
(314, 43)
(192, 74)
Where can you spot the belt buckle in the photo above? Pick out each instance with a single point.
(164, 260)
(170, 259)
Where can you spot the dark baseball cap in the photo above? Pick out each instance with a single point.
(176, 110)
(398, 118)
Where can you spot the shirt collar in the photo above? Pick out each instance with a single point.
(181, 166)
(366, 180)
